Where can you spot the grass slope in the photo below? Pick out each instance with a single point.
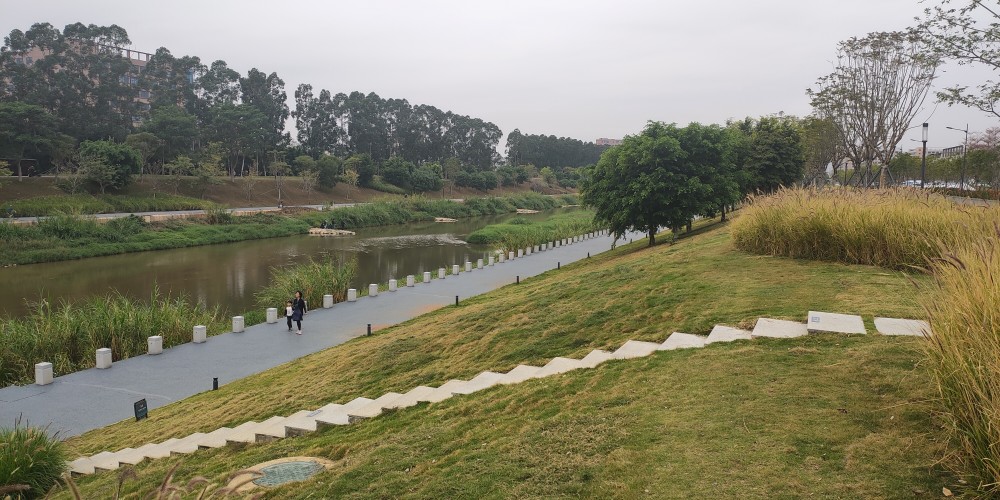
(828, 415)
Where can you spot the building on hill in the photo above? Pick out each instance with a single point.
(604, 141)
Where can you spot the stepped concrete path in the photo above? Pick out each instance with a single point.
(90, 399)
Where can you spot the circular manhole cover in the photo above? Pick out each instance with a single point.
(287, 472)
(278, 472)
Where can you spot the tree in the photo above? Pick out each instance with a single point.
(767, 153)
(109, 164)
(650, 181)
(279, 170)
(177, 168)
(398, 172)
(328, 167)
(878, 86)
(966, 32)
(548, 176)
(363, 165)
(822, 145)
(146, 144)
(25, 129)
(351, 178)
(176, 128)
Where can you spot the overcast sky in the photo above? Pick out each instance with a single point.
(582, 69)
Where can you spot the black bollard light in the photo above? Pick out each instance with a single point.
(456, 300)
(558, 265)
(588, 255)
(215, 383)
(369, 329)
(518, 279)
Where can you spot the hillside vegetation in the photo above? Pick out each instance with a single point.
(832, 416)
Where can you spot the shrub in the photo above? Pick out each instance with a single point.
(315, 279)
(964, 351)
(30, 457)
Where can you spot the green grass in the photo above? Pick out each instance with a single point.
(829, 415)
(521, 233)
(100, 204)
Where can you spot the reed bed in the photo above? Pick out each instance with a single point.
(964, 352)
(314, 279)
(67, 335)
(896, 228)
(521, 233)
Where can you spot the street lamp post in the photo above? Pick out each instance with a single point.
(965, 153)
(923, 155)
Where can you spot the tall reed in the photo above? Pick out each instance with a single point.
(964, 351)
(895, 228)
(314, 279)
(520, 233)
(68, 334)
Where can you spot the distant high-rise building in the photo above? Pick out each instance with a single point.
(604, 141)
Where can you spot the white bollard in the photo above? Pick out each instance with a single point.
(441, 273)
(520, 252)
(352, 294)
(373, 290)
(454, 269)
(527, 251)
(501, 258)
(238, 324)
(479, 264)
(103, 358)
(200, 334)
(272, 314)
(410, 280)
(427, 276)
(510, 255)
(43, 373)
(468, 266)
(327, 301)
(155, 344)
(392, 285)
(492, 260)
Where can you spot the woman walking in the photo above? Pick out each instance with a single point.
(298, 310)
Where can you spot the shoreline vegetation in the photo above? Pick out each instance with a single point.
(520, 232)
(69, 237)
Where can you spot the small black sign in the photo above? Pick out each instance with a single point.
(141, 411)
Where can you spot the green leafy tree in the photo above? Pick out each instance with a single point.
(426, 178)
(25, 129)
(650, 181)
(548, 176)
(303, 163)
(279, 170)
(364, 166)
(176, 128)
(109, 164)
(351, 178)
(768, 152)
(329, 168)
(147, 144)
(177, 169)
(399, 172)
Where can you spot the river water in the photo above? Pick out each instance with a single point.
(229, 274)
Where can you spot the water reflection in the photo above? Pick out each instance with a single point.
(229, 274)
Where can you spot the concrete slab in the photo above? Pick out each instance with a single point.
(596, 357)
(824, 322)
(678, 340)
(186, 445)
(559, 365)
(777, 328)
(896, 326)
(414, 396)
(135, 456)
(105, 460)
(335, 414)
(374, 408)
(722, 333)
(215, 439)
(276, 429)
(446, 390)
(635, 349)
(482, 381)
(520, 373)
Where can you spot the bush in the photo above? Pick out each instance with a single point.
(483, 181)
(314, 279)
(426, 179)
(31, 458)
(380, 185)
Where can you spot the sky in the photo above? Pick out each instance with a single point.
(583, 69)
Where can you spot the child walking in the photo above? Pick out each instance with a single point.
(288, 314)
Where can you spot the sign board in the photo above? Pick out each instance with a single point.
(141, 411)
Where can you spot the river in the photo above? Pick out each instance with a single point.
(229, 274)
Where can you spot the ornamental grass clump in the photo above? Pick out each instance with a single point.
(314, 279)
(964, 352)
(31, 461)
(893, 228)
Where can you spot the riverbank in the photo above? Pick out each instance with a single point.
(827, 415)
(71, 237)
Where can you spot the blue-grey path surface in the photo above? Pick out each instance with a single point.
(90, 399)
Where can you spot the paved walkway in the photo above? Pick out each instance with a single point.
(90, 399)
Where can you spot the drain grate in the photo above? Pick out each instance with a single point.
(287, 472)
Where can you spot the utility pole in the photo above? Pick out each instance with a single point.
(923, 154)
(965, 153)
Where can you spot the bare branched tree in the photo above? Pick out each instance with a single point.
(879, 84)
(967, 32)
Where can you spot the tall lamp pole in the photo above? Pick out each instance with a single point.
(923, 154)
(965, 152)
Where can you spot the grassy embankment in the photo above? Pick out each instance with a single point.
(827, 415)
(522, 233)
(71, 237)
(904, 229)
(100, 204)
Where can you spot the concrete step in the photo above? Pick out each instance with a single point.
(780, 329)
(596, 357)
(247, 432)
(215, 439)
(635, 349)
(482, 381)
(374, 408)
(723, 333)
(446, 390)
(896, 326)
(306, 423)
(559, 365)
(824, 322)
(276, 429)
(520, 373)
(161, 451)
(186, 445)
(335, 414)
(416, 395)
(82, 466)
(678, 340)
(106, 460)
(135, 456)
